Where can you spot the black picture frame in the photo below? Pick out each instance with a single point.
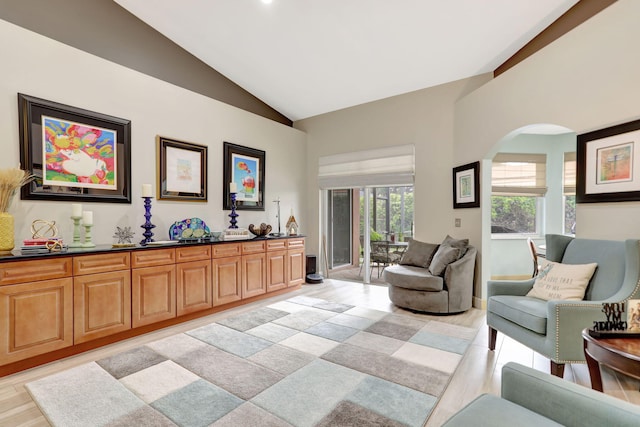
(466, 186)
(608, 164)
(41, 150)
(182, 170)
(255, 159)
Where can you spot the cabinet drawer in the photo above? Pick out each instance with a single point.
(226, 249)
(31, 271)
(193, 253)
(103, 263)
(295, 243)
(253, 247)
(150, 258)
(276, 245)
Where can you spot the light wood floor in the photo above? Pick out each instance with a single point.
(478, 372)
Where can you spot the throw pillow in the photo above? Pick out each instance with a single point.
(418, 253)
(444, 256)
(462, 244)
(455, 243)
(562, 281)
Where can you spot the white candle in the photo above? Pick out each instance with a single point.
(233, 187)
(87, 218)
(76, 210)
(146, 190)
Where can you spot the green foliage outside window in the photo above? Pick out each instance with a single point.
(513, 214)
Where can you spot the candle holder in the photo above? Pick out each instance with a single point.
(76, 232)
(147, 225)
(87, 236)
(233, 215)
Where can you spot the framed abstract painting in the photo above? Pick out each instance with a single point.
(75, 154)
(608, 164)
(244, 169)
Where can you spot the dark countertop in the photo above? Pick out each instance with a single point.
(17, 255)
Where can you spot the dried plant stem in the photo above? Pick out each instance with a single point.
(10, 181)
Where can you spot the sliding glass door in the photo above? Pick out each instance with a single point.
(339, 227)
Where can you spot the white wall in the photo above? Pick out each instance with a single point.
(423, 118)
(586, 80)
(41, 67)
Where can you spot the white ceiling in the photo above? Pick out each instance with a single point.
(308, 57)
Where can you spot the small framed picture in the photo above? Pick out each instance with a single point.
(466, 186)
(182, 168)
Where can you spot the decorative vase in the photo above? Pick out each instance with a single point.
(6, 232)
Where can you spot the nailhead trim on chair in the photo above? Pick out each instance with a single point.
(636, 289)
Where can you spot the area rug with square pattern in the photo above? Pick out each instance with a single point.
(300, 362)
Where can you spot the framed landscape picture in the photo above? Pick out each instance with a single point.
(466, 186)
(75, 154)
(608, 164)
(244, 167)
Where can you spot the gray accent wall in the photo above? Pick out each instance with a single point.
(105, 29)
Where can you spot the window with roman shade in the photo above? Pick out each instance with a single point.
(569, 174)
(379, 167)
(514, 174)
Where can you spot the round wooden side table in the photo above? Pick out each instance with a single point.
(621, 354)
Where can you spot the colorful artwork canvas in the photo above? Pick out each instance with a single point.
(615, 163)
(245, 175)
(78, 155)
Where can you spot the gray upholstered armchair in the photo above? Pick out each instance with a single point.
(552, 328)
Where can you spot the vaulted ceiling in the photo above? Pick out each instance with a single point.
(308, 57)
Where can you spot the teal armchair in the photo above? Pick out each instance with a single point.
(533, 398)
(553, 328)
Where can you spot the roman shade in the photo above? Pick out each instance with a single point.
(519, 174)
(378, 167)
(569, 174)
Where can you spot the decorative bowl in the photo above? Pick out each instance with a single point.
(261, 231)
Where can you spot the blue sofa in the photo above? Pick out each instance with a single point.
(532, 398)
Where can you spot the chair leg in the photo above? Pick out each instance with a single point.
(493, 334)
(557, 369)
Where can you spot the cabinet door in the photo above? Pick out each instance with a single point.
(193, 286)
(153, 294)
(36, 318)
(276, 270)
(227, 280)
(295, 266)
(101, 305)
(254, 275)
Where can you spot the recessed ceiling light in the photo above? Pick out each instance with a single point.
(267, 1)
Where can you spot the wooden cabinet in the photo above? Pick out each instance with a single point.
(254, 275)
(101, 305)
(227, 279)
(193, 279)
(101, 295)
(254, 271)
(276, 265)
(194, 290)
(153, 294)
(67, 304)
(35, 318)
(295, 267)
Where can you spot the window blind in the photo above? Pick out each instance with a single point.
(519, 174)
(569, 174)
(370, 168)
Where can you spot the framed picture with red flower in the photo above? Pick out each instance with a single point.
(75, 154)
(244, 173)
